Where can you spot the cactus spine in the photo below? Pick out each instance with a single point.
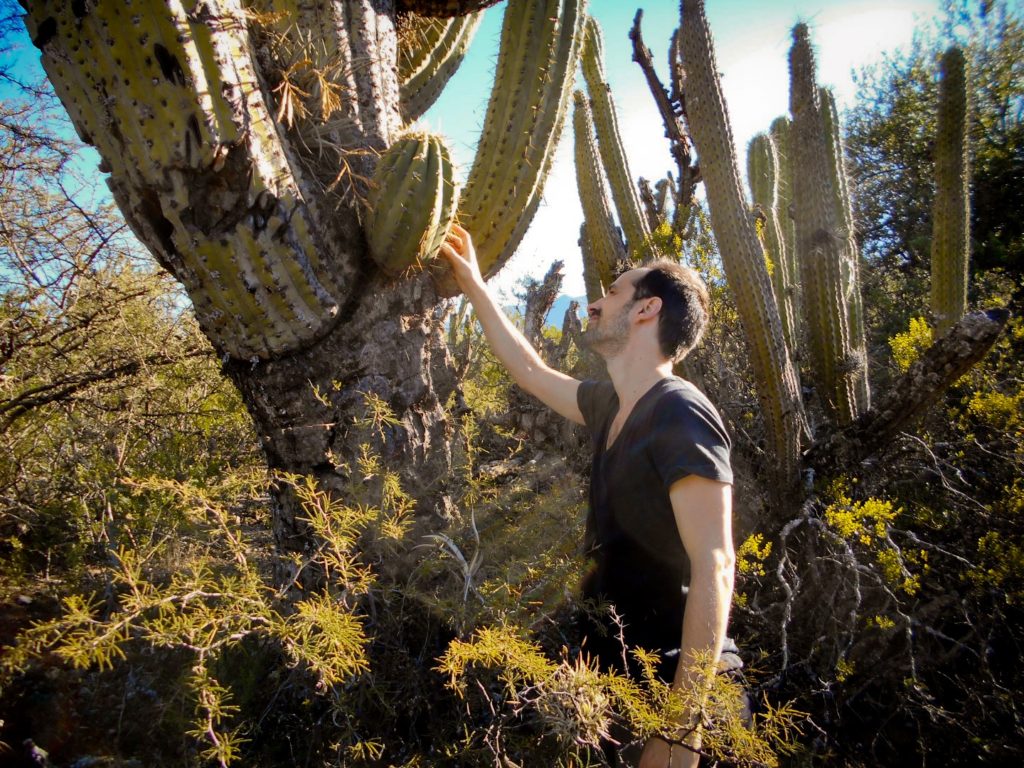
(412, 202)
(609, 142)
(823, 251)
(540, 44)
(763, 174)
(951, 207)
(603, 247)
(430, 52)
(742, 254)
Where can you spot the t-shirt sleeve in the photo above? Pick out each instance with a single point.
(689, 439)
(594, 401)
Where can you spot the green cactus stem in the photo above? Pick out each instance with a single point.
(951, 207)
(168, 99)
(609, 142)
(742, 254)
(604, 248)
(430, 51)
(780, 131)
(851, 267)
(822, 248)
(763, 174)
(537, 57)
(412, 203)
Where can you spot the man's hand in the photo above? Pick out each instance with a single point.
(458, 251)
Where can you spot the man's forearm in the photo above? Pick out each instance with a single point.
(506, 341)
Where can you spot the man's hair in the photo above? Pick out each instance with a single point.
(685, 306)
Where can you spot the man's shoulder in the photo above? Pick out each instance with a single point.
(678, 394)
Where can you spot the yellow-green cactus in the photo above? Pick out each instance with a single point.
(609, 143)
(951, 208)
(602, 244)
(540, 45)
(412, 202)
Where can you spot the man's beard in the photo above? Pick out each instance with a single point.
(610, 335)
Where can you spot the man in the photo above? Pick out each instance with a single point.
(660, 492)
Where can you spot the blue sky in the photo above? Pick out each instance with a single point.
(751, 40)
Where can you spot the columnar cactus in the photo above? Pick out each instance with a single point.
(603, 248)
(822, 249)
(742, 254)
(609, 142)
(851, 267)
(540, 46)
(430, 51)
(951, 208)
(780, 132)
(763, 173)
(412, 202)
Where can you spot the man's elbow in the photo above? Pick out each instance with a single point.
(721, 566)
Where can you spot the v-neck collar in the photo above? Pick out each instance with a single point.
(605, 445)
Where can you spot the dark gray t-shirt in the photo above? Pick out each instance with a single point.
(640, 564)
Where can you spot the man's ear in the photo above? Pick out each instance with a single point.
(650, 307)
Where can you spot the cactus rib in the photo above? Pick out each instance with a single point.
(430, 53)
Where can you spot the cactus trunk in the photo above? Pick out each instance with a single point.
(742, 254)
(951, 208)
(603, 248)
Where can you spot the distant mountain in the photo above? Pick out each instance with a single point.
(558, 309)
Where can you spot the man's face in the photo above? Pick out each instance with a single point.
(608, 320)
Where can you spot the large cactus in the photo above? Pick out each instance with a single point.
(823, 249)
(951, 208)
(609, 142)
(241, 142)
(742, 254)
(540, 46)
(764, 173)
(601, 242)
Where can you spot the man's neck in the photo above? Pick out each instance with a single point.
(633, 374)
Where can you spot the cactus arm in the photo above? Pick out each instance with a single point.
(780, 133)
(951, 207)
(763, 176)
(604, 248)
(609, 142)
(540, 43)
(199, 167)
(742, 255)
(822, 249)
(411, 204)
(443, 9)
(432, 53)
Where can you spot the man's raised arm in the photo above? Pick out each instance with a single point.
(528, 370)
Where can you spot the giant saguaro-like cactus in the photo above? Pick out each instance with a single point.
(742, 254)
(241, 142)
(823, 249)
(601, 243)
(609, 142)
(951, 209)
